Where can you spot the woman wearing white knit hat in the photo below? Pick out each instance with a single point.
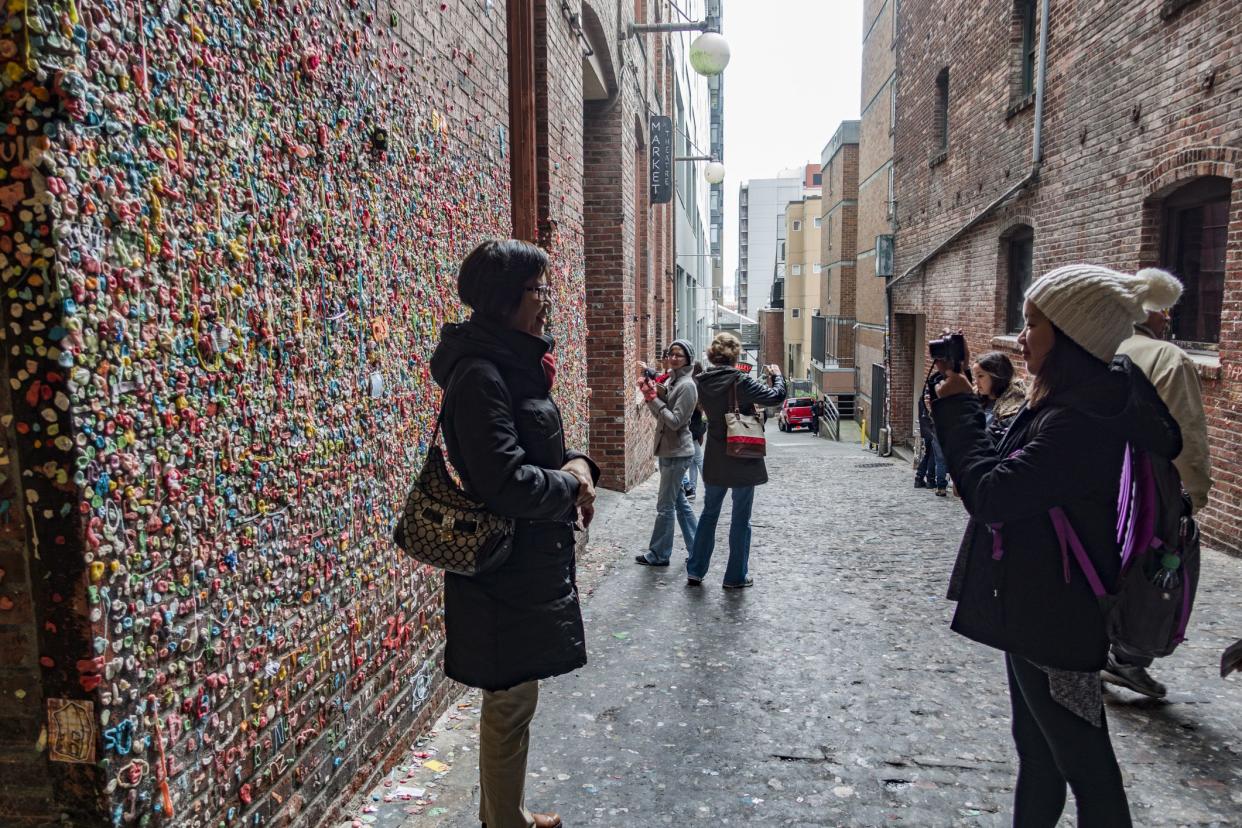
(1014, 589)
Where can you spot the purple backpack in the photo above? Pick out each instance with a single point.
(1148, 613)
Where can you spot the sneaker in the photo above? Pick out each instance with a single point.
(919, 484)
(749, 582)
(1132, 677)
(693, 581)
(942, 492)
(642, 559)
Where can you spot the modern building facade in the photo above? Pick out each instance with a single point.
(802, 283)
(694, 271)
(1137, 162)
(761, 224)
(716, 224)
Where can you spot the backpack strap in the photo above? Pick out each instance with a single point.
(1067, 537)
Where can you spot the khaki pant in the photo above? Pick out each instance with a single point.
(504, 738)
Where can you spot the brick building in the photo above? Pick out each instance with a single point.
(229, 237)
(1136, 161)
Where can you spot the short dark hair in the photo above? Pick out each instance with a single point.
(1067, 366)
(999, 367)
(493, 277)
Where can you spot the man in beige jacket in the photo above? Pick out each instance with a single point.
(1176, 379)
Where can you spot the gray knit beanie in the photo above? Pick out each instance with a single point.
(688, 349)
(1098, 307)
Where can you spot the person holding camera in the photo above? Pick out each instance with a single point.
(674, 448)
(1016, 590)
(1002, 394)
(932, 471)
(721, 387)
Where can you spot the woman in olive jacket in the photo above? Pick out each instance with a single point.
(1017, 589)
(717, 387)
(510, 627)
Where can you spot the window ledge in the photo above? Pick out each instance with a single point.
(1206, 363)
(1006, 342)
(1019, 105)
(938, 159)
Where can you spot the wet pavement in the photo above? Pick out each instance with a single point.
(830, 694)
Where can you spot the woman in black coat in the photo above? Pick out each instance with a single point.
(521, 622)
(1016, 588)
(719, 388)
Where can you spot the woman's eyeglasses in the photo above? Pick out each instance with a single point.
(542, 292)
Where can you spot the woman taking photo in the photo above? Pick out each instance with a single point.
(673, 405)
(510, 627)
(719, 388)
(1000, 392)
(1015, 589)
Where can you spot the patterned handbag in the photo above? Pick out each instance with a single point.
(444, 527)
(743, 432)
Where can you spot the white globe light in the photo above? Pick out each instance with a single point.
(714, 172)
(709, 54)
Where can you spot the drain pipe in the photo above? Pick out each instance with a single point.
(1037, 159)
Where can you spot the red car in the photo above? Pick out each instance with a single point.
(795, 413)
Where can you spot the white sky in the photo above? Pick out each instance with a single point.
(794, 75)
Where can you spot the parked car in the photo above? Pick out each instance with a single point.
(795, 413)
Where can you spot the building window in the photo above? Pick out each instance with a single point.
(1018, 247)
(1028, 19)
(892, 105)
(794, 313)
(797, 270)
(818, 268)
(818, 221)
(797, 225)
(942, 110)
(817, 179)
(1195, 235)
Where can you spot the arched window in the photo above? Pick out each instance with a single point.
(1017, 256)
(1194, 236)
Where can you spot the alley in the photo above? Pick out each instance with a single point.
(831, 694)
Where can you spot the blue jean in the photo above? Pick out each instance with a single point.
(933, 457)
(739, 533)
(691, 480)
(671, 499)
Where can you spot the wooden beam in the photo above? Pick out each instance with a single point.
(524, 191)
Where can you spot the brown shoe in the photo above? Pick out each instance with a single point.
(547, 820)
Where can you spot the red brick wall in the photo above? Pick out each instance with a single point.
(771, 336)
(1128, 117)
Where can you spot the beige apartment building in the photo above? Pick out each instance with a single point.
(803, 282)
(833, 368)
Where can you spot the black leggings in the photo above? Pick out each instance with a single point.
(1055, 747)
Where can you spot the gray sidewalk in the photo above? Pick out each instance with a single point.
(832, 693)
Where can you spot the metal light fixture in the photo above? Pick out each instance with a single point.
(714, 172)
(709, 53)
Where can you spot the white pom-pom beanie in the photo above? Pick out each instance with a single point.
(1098, 307)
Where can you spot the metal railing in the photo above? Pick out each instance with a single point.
(831, 419)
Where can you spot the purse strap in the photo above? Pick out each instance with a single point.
(733, 393)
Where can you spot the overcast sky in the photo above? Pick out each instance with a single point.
(794, 75)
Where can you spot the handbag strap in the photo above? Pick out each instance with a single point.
(435, 432)
(733, 393)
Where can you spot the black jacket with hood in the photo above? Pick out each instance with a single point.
(1033, 601)
(504, 437)
(719, 469)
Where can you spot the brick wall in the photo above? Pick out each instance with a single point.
(1137, 104)
(771, 336)
(221, 368)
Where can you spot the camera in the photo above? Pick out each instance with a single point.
(950, 349)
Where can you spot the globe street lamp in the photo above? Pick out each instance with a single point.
(709, 52)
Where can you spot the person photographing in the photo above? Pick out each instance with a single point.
(1015, 589)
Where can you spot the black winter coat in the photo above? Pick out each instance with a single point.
(1068, 454)
(504, 437)
(719, 469)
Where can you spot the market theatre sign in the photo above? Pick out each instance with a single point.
(661, 159)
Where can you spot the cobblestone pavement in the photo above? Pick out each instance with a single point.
(830, 694)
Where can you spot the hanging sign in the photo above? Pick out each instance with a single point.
(661, 159)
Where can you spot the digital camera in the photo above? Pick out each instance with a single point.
(950, 349)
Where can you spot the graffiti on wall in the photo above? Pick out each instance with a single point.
(229, 234)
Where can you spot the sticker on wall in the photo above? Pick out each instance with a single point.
(71, 730)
